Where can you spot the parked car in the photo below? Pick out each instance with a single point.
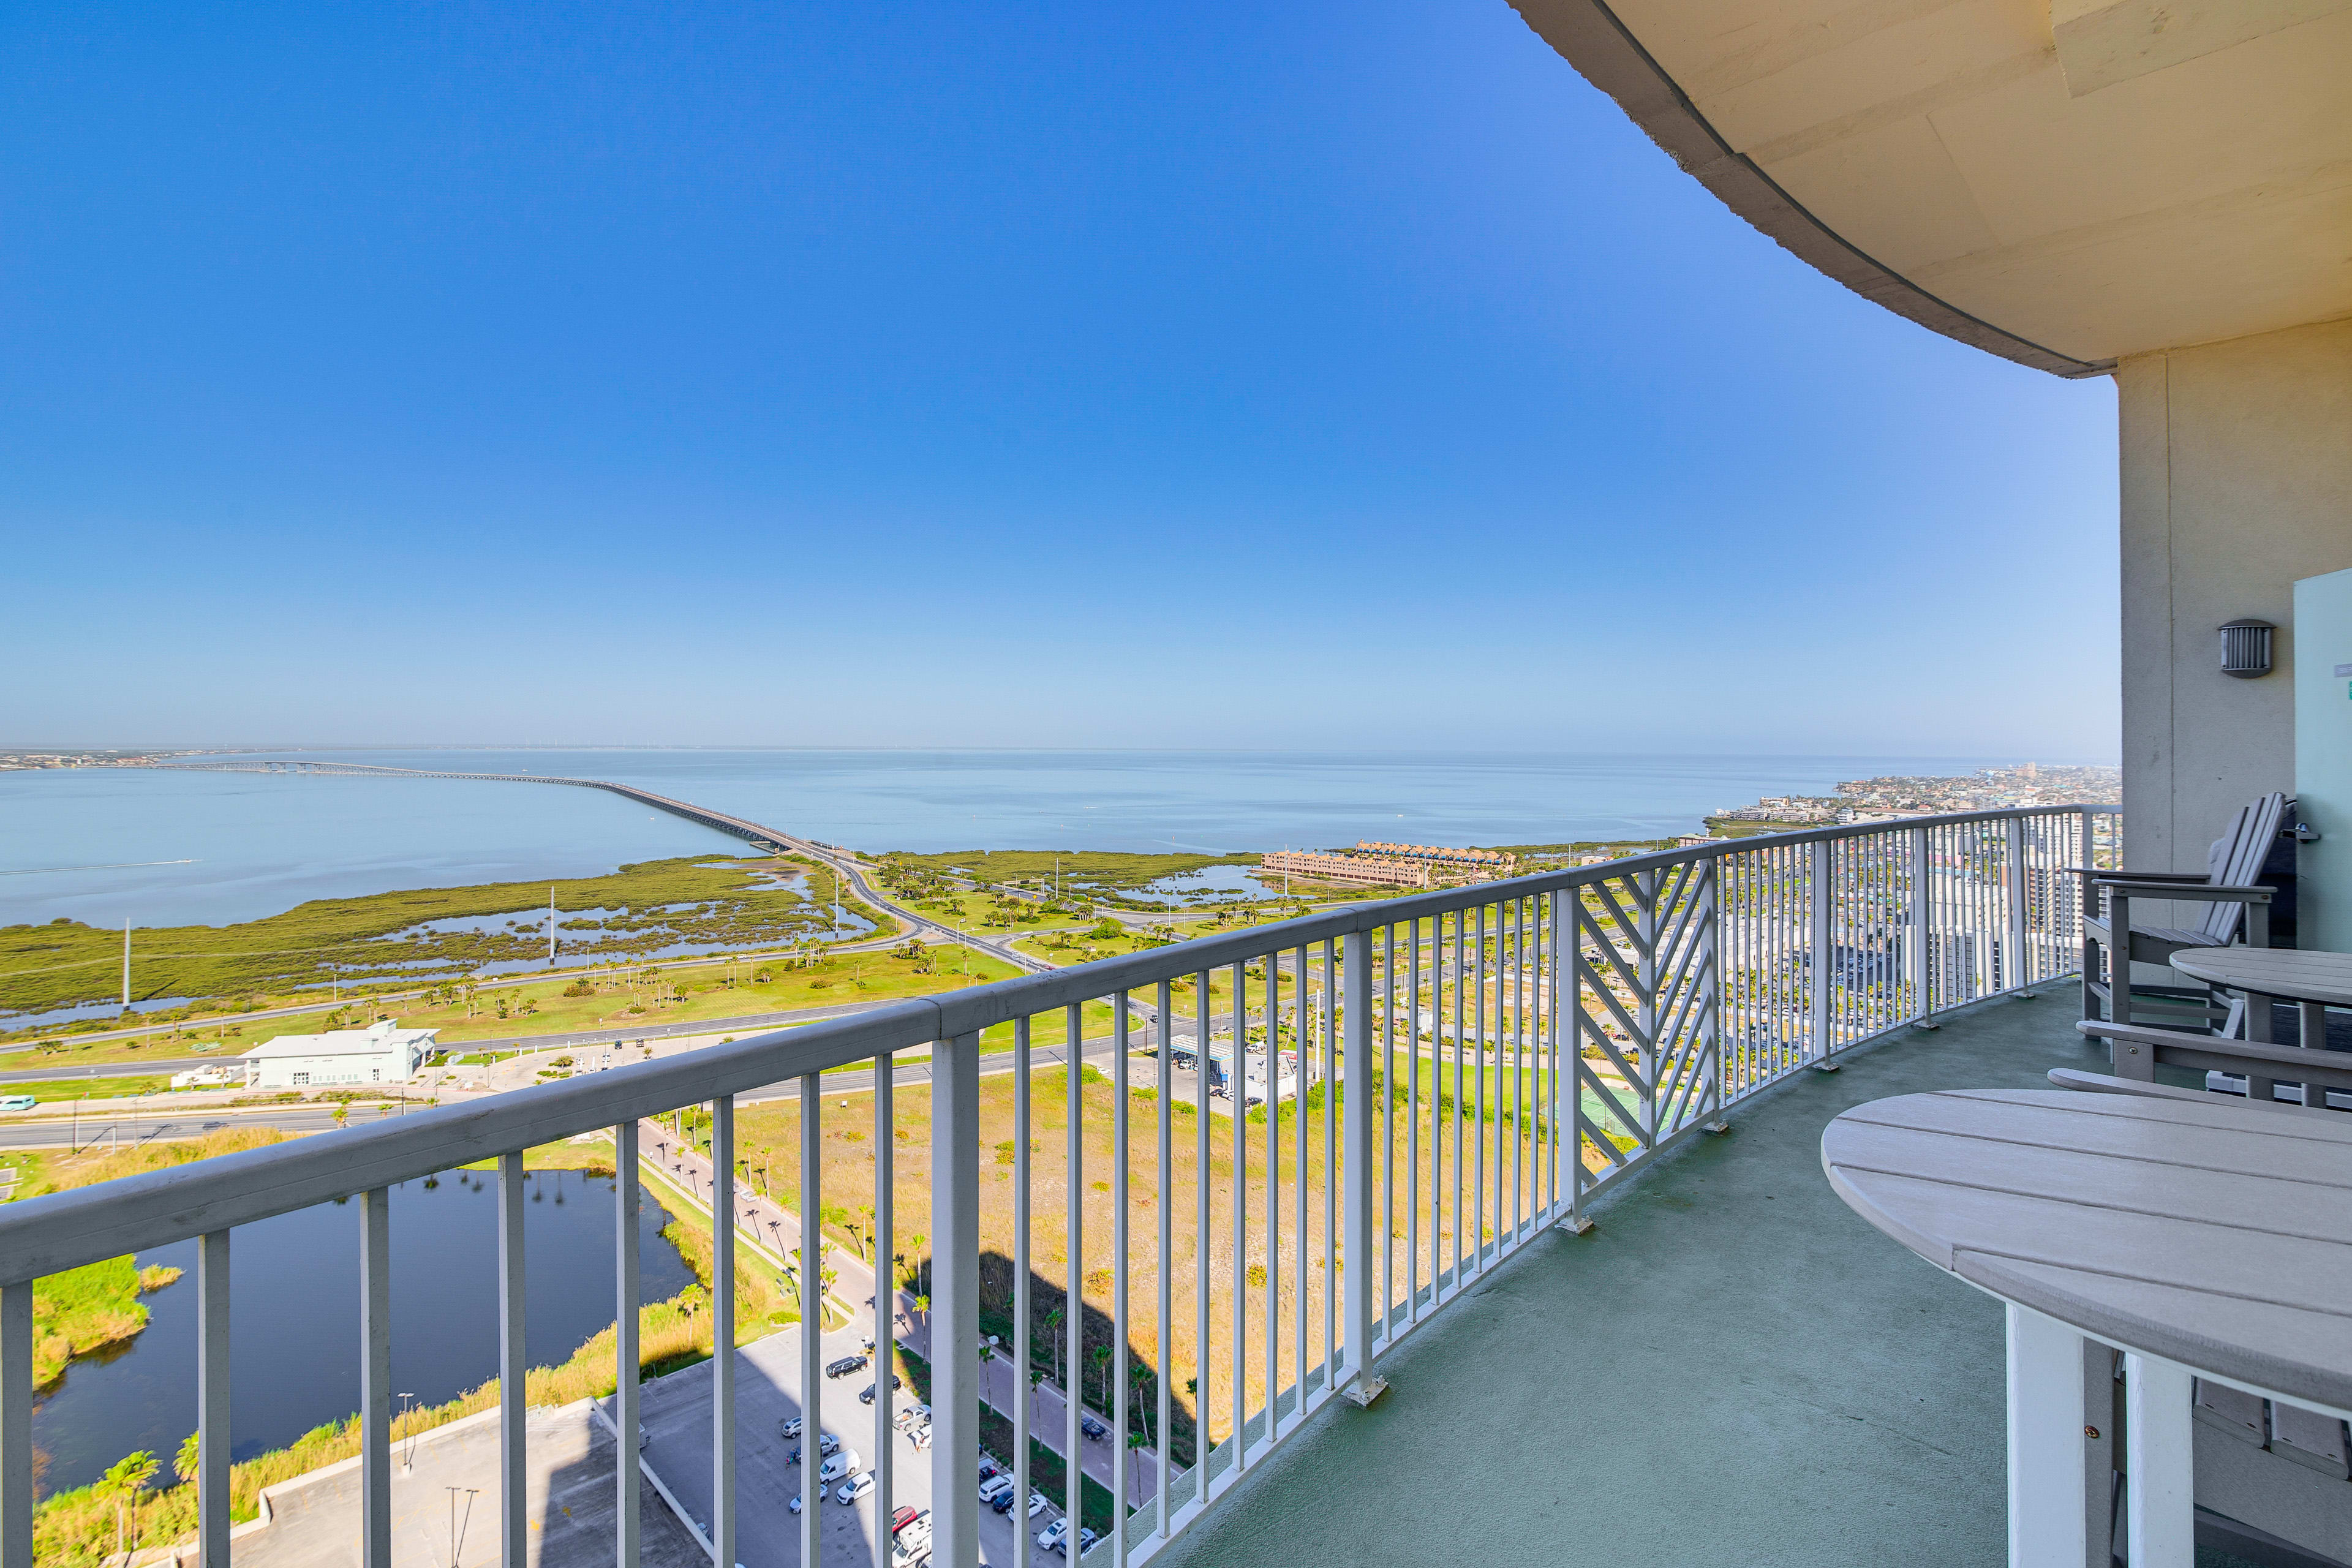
(853, 1489)
(1005, 1499)
(793, 1502)
(907, 1516)
(845, 1366)
(1037, 1504)
(907, 1416)
(18, 1101)
(920, 1436)
(841, 1467)
(996, 1486)
(789, 1427)
(828, 1442)
(1055, 1537)
(1092, 1425)
(867, 1397)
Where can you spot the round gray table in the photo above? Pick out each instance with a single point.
(2315, 981)
(2210, 1241)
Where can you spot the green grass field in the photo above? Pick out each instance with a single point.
(64, 1091)
(381, 939)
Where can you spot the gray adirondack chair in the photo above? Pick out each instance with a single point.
(2227, 907)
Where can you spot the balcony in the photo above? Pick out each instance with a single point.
(1541, 1152)
(1730, 1366)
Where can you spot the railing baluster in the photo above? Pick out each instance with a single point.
(1519, 1068)
(1163, 1446)
(1272, 1189)
(1821, 962)
(811, 1277)
(1478, 1092)
(1560, 1040)
(1453, 957)
(1237, 1087)
(1413, 1136)
(212, 1399)
(1387, 1133)
(2018, 972)
(1914, 954)
(1330, 1044)
(1298, 1182)
(17, 1425)
(722, 1328)
(1022, 1311)
(955, 1304)
(625, 1326)
(885, 1294)
(1073, 1250)
(1123, 1455)
(1357, 1064)
(375, 1378)
(514, 1510)
(1203, 1363)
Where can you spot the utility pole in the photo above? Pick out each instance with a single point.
(550, 926)
(126, 963)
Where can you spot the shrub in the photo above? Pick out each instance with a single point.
(580, 987)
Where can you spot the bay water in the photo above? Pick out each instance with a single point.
(157, 846)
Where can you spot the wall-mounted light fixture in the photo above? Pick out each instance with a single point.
(2246, 647)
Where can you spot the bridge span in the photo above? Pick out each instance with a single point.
(840, 860)
(751, 831)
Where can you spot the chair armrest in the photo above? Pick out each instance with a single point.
(2189, 892)
(2211, 1053)
(2104, 874)
(2100, 1083)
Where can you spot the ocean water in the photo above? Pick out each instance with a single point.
(85, 843)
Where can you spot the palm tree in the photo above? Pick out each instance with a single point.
(123, 1479)
(1053, 1336)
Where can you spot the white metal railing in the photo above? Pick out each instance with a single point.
(1499, 1053)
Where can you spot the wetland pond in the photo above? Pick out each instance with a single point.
(294, 1291)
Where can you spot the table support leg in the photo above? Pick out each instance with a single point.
(2259, 1030)
(2162, 1512)
(2047, 1516)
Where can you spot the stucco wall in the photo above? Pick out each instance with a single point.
(2237, 479)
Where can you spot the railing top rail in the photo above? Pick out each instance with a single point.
(65, 1230)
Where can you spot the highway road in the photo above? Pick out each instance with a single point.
(134, 1127)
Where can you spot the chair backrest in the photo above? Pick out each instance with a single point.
(2235, 861)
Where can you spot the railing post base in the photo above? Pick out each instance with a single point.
(1827, 1066)
(2027, 995)
(1717, 1125)
(1927, 1024)
(1364, 1391)
(1577, 1225)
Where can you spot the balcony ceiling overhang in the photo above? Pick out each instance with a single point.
(2063, 182)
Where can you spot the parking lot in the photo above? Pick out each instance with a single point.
(676, 1416)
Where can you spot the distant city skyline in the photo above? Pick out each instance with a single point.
(1327, 379)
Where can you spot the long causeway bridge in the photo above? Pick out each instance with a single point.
(763, 837)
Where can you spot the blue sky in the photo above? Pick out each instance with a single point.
(1315, 375)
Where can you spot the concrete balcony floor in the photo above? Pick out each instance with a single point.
(1731, 1368)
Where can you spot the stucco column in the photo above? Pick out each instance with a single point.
(2237, 480)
